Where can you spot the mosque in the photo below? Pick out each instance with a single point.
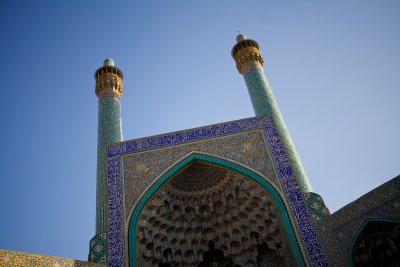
(229, 194)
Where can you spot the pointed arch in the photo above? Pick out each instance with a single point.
(146, 196)
(360, 231)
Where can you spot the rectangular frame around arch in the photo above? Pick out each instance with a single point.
(298, 209)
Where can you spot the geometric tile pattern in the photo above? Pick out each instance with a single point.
(23, 259)
(109, 132)
(298, 210)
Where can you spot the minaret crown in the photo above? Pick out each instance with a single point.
(240, 37)
(109, 62)
(246, 54)
(249, 63)
(108, 79)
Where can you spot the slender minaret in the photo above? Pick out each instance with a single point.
(109, 91)
(249, 63)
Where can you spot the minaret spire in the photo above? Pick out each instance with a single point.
(249, 63)
(109, 91)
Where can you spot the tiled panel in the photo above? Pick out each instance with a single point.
(298, 208)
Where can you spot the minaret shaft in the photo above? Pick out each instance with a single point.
(264, 103)
(109, 92)
(109, 132)
(249, 63)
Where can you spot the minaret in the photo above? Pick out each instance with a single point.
(249, 63)
(109, 91)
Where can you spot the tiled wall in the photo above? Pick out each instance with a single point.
(283, 168)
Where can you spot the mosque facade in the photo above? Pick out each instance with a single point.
(229, 194)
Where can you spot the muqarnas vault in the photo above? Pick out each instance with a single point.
(230, 194)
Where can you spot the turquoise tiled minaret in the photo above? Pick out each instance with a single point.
(109, 91)
(249, 63)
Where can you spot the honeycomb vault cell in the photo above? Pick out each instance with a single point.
(210, 216)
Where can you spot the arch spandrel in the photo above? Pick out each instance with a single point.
(257, 231)
(142, 168)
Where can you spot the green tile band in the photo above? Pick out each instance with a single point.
(264, 104)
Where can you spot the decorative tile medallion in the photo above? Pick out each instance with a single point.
(98, 248)
(274, 149)
(316, 206)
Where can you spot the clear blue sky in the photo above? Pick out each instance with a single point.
(334, 68)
